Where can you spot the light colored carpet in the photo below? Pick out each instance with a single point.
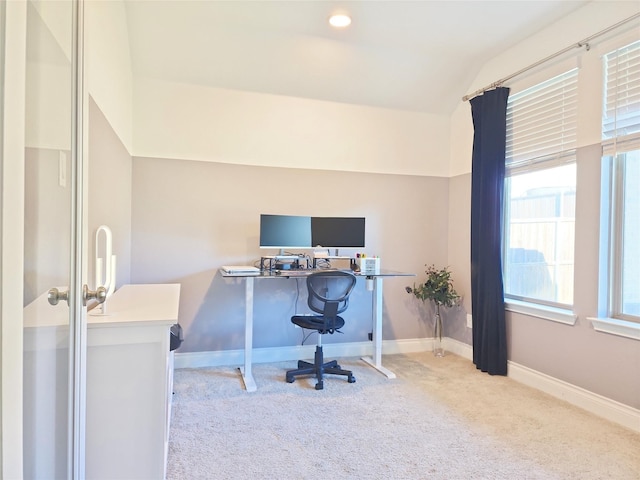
(440, 419)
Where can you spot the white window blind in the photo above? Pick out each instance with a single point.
(621, 110)
(541, 124)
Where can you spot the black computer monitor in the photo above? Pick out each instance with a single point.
(285, 231)
(338, 232)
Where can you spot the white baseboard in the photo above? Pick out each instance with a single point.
(265, 355)
(461, 349)
(293, 353)
(592, 402)
(597, 404)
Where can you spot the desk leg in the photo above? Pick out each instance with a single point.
(247, 375)
(376, 361)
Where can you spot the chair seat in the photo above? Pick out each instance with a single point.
(313, 322)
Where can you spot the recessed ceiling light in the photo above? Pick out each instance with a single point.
(340, 20)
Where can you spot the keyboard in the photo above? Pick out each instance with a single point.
(292, 273)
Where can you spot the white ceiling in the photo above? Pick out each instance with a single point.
(411, 55)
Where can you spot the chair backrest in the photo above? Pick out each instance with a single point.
(329, 291)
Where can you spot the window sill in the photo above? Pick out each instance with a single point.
(614, 326)
(553, 314)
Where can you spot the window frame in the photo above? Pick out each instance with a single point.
(617, 166)
(539, 160)
(617, 142)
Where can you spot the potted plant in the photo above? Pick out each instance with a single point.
(438, 288)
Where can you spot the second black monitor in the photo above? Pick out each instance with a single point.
(338, 232)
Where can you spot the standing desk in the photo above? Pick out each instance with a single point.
(375, 360)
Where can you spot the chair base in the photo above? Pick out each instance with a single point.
(319, 369)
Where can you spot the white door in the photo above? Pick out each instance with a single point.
(44, 205)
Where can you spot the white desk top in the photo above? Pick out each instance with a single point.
(128, 304)
(140, 303)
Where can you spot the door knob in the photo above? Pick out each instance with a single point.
(54, 296)
(99, 294)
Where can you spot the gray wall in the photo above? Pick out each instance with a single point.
(459, 255)
(109, 194)
(190, 218)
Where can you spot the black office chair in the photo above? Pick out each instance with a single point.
(328, 296)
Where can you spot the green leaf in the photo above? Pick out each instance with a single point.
(438, 287)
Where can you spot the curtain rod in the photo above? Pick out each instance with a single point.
(580, 44)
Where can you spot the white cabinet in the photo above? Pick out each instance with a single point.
(129, 383)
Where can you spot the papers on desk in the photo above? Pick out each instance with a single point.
(240, 269)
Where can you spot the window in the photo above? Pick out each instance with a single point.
(621, 148)
(540, 187)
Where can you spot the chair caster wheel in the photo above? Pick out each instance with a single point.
(290, 379)
(319, 386)
(351, 379)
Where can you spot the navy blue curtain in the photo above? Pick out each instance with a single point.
(489, 112)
